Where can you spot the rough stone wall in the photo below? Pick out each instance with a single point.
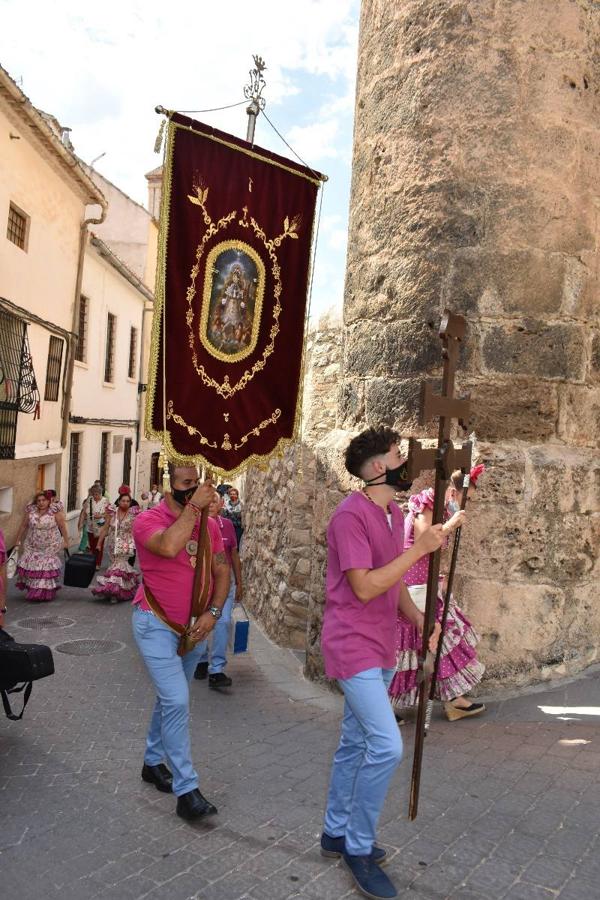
(278, 554)
(476, 186)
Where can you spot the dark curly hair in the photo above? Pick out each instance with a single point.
(366, 445)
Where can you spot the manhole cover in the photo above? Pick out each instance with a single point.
(89, 648)
(45, 622)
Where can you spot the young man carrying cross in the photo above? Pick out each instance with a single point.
(364, 592)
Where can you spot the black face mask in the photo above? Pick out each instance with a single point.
(396, 478)
(182, 497)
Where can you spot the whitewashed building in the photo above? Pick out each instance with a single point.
(106, 400)
(46, 203)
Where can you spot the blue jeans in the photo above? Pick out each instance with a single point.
(369, 751)
(219, 636)
(169, 734)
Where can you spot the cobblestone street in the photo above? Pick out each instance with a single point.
(509, 804)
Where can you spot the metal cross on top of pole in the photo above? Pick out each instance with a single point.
(253, 93)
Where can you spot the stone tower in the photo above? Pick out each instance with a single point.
(476, 185)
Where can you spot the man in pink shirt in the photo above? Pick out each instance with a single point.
(215, 668)
(166, 538)
(364, 592)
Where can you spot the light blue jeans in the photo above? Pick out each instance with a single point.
(369, 751)
(169, 734)
(219, 636)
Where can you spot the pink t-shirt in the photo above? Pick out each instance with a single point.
(355, 635)
(170, 580)
(228, 534)
(2, 549)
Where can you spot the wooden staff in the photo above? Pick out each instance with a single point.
(443, 459)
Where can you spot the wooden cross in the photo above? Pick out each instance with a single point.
(443, 459)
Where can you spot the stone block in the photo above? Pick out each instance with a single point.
(521, 282)
(533, 348)
(390, 401)
(516, 408)
(300, 537)
(303, 567)
(579, 418)
(351, 403)
(391, 286)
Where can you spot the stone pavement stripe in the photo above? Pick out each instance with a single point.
(502, 797)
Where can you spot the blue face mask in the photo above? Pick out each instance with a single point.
(453, 506)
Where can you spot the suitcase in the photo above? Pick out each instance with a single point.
(80, 570)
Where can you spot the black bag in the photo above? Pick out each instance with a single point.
(20, 666)
(80, 570)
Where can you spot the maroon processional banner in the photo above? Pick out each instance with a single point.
(234, 256)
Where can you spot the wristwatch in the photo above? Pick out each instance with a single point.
(215, 611)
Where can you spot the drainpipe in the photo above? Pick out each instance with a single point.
(141, 391)
(70, 366)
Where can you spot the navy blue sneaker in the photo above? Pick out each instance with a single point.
(335, 847)
(369, 878)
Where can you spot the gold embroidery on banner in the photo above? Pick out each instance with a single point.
(190, 428)
(237, 329)
(257, 430)
(290, 230)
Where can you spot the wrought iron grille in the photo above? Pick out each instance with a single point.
(18, 385)
(154, 469)
(132, 352)
(8, 432)
(74, 463)
(55, 353)
(104, 445)
(127, 461)
(81, 346)
(110, 348)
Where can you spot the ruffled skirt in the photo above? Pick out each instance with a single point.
(38, 573)
(120, 581)
(460, 670)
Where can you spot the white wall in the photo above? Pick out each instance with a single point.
(107, 290)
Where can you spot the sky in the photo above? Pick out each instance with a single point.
(101, 68)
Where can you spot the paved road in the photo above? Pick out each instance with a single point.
(510, 803)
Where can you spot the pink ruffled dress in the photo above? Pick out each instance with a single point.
(120, 580)
(460, 670)
(39, 566)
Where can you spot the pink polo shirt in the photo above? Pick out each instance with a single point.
(228, 534)
(355, 635)
(170, 580)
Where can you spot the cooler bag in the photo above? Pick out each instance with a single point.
(21, 664)
(240, 629)
(80, 570)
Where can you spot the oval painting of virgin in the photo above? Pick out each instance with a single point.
(234, 285)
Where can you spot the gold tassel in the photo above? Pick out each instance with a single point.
(163, 463)
(159, 137)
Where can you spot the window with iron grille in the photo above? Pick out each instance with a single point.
(109, 359)
(104, 445)
(132, 352)
(154, 474)
(55, 352)
(74, 466)
(127, 460)
(81, 346)
(17, 226)
(18, 386)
